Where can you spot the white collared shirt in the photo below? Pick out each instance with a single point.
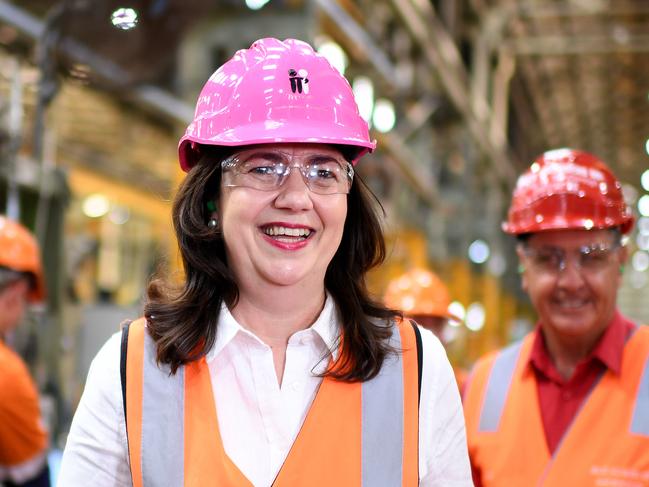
(260, 420)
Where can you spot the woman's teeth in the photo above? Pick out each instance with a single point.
(278, 231)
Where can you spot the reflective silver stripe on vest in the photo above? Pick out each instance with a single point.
(382, 422)
(500, 379)
(162, 422)
(640, 422)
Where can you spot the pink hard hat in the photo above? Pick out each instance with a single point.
(275, 92)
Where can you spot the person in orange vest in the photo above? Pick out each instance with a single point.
(422, 296)
(23, 438)
(270, 364)
(569, 404)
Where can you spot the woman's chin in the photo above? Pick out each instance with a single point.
(290, 276)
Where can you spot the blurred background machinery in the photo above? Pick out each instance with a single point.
(461, 95)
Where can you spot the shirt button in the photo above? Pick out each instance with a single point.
(295, 386)
(566, 395)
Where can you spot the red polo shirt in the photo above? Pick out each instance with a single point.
(560, 399)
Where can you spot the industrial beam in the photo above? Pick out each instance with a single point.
(357, 35)
(444, 60)
(571, 45)
(148, 96)
(418, 177)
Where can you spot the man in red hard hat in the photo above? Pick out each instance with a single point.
(569, 404)
(23, 439)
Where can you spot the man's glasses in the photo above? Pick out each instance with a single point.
(268, 170)
(553, 260)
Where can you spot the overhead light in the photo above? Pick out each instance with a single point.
(646, 146)
(364, 94)
(479, 251)
(640, 261)
(621, 34)
(475, 317)
(643, 225)
(256, 4)
(119, 215)
(383, 117)
(642, 241)
(644, 180)
(497, 264)
(124, 18)
(450, 333)
(95, 205)
(456, 309)
(643, 205)
(334, 54)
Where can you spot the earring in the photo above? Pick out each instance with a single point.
(213, 222)
(521, 268)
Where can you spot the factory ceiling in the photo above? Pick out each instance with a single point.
(526, 75)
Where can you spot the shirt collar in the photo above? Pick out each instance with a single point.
(608, 350)
(326, 328)
(328, 325)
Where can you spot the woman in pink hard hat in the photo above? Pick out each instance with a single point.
(271, 364)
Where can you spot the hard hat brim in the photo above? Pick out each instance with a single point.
(274, 133)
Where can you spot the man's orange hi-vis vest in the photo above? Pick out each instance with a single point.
(358, 434)
(606, 445)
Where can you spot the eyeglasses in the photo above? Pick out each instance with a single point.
(268, 170)
(588, 258)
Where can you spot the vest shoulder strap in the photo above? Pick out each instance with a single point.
(497, 388)
(420, 359)
(640, 421)
(122, 361)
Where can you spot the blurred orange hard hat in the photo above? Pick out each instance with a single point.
(567, 189)
(419, 292)
(19, 252)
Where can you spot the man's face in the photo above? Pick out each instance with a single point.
(572, 278)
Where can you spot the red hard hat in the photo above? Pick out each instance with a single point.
(567, 189)
(19, 252)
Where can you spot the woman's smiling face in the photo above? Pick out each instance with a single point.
(284, 236)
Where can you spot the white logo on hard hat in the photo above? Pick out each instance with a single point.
(299, 81)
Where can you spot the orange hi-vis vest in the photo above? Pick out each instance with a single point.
(355, 434)
(607, 443)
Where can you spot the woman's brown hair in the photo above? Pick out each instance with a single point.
(183, 319)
